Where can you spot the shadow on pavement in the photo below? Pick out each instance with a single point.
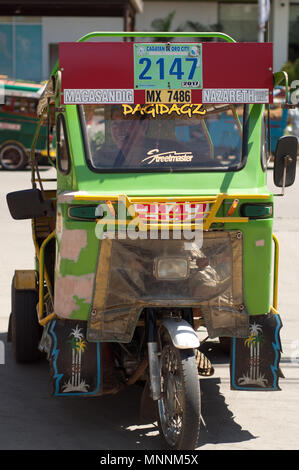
(219, 425)
(32, 419)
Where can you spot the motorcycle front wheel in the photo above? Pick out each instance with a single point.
(180, 403)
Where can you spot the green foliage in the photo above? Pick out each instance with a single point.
(165, 25)
(294, 31)
(294, 40)
(196, 26)
(292, 69)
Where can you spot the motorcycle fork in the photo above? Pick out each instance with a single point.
(153, 354)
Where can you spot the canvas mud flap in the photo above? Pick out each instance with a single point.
(126, 283)
(75, 363)
(255, 359)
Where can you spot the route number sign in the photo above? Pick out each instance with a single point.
(167, 66)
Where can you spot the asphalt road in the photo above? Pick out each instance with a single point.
(30, 418)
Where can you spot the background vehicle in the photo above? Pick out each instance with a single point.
(138, 150)
(18, 120)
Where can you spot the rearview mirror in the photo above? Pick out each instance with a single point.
(285, 160)
(28, 204)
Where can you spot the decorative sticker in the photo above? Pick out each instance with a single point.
(175, 212)
(154, 156)
(255, 359)
(163, 109)
(230, 95)
(94, 96)
(167, 66)
(75, 362)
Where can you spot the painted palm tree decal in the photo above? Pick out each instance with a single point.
(78, 346)
(254, 342)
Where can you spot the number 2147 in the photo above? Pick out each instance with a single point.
(175, 69)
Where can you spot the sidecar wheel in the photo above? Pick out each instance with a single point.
(25, 329)
(179, 406)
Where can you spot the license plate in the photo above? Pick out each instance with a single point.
(168, 96)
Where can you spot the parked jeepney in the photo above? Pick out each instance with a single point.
(18, 121)
(157, 227)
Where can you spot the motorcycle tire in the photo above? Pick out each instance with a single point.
(179, 407)
(25, 330)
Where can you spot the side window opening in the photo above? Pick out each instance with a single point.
(63, 154)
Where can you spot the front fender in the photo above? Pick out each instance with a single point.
(181, 333)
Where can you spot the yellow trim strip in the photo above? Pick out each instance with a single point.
(207, 222)
(273, 310)
(44, 320)
(37, 251)
(132, 212)
(210, 218)
(275, 277)
(166, 199)
(230, 219)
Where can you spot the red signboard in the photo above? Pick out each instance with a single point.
(139, 73)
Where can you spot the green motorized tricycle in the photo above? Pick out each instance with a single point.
(160, 224)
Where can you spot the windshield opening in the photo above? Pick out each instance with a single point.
(160, 137)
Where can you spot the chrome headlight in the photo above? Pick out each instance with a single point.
(171, 268)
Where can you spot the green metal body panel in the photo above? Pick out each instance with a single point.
(84, 265)
(250, 180)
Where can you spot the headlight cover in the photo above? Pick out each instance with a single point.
(171, 268)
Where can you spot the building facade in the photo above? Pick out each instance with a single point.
(239, 19)
(29, 42)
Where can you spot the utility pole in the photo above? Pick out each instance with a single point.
(263, 18)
